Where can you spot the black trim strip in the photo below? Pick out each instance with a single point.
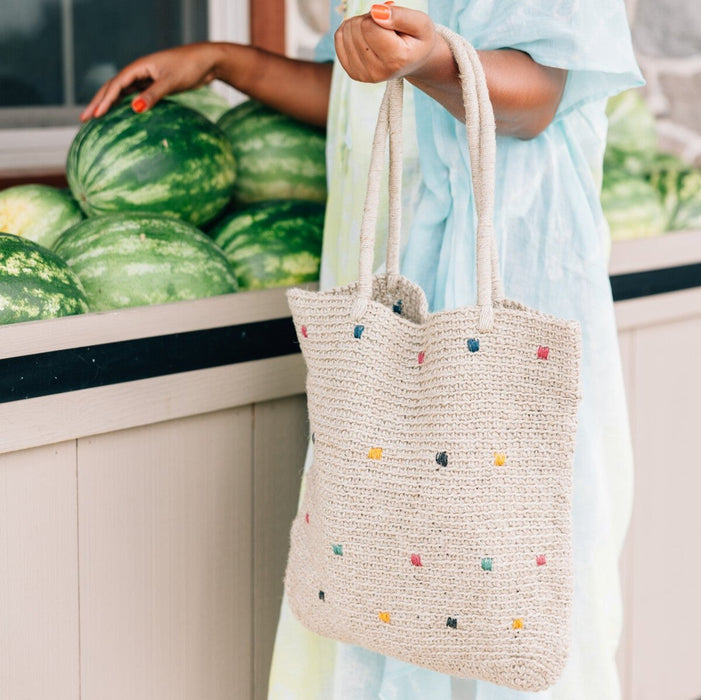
(642, 284)
(73, 369)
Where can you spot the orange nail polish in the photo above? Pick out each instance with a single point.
(389, 2)
(380, 12)
(139, 105)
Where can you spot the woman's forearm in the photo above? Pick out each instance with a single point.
(524, 94)
(298, 88)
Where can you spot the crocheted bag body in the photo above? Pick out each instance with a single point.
(435, 525)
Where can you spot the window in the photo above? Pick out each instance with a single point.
(54, 54)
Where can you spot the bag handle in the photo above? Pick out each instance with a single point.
(479, 123)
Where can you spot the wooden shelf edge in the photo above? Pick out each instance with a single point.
(60, 417)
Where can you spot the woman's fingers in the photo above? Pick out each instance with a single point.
(135, 75)
(89, 110)
(120, 83)
(388, 42)
(402, 20)
(356, 42)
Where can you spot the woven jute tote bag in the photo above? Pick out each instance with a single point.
(435, 522)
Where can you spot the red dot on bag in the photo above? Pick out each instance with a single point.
(416, 560)
(540, 560)
(422, 356)
(543, 352)
(306, 518)
(304, 331)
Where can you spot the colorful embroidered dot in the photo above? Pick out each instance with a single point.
(306, 518)
(487, 564)
(358, 331)
(473, 344)
(543, 352)
(375, 453)
(384, 616)
(442, 458)
(304, 331)
(422, 357)
(397, 308)
(416, 560)
(499, 459)
(540, 560)
(337, 549)
(517, 624)
(322, 595)
(452, 622)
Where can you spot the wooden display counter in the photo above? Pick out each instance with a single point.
(657, 284)
(149, 470)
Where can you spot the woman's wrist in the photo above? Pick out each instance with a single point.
(438, 67)
(226, 59)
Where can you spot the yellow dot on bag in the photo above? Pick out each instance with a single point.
(384, 616)
(375, 453)
(499, 459)
(518, 623)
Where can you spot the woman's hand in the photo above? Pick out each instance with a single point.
(394, 42)
(162, 73)
(298, 88)
(388, 42)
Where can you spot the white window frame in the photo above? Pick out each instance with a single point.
(44, 149)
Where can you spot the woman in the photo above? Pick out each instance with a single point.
(550, 65)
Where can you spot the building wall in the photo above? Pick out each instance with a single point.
(667, 39)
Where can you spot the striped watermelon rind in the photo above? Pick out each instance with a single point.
(38, 213)
(35, 283)
(168, 160)
(203, 100)
(273, 244)
(126, 260)
(277, 157)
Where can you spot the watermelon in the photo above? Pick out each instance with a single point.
(633, 208)
(168, 160)
(273, 244)
(140, 259)
(277, 157)
(37, 212)
(35, 283)
(203, 100)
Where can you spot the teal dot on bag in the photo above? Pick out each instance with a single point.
(473, 344)
(442, 458)
(337, 549)
(358, 331)
(397, 308)
(487, 564)
(452, 622)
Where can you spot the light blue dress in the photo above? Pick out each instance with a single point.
(553, 247)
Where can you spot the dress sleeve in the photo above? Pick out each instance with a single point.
(589, 38)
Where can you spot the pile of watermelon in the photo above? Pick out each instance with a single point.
(645, 192)
(164, 206)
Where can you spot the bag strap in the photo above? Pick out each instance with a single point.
(479, 123)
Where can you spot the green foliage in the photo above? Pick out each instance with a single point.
(644, 192)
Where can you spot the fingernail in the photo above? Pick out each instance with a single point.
(139, 105)
(380, 12)
(389, 2)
